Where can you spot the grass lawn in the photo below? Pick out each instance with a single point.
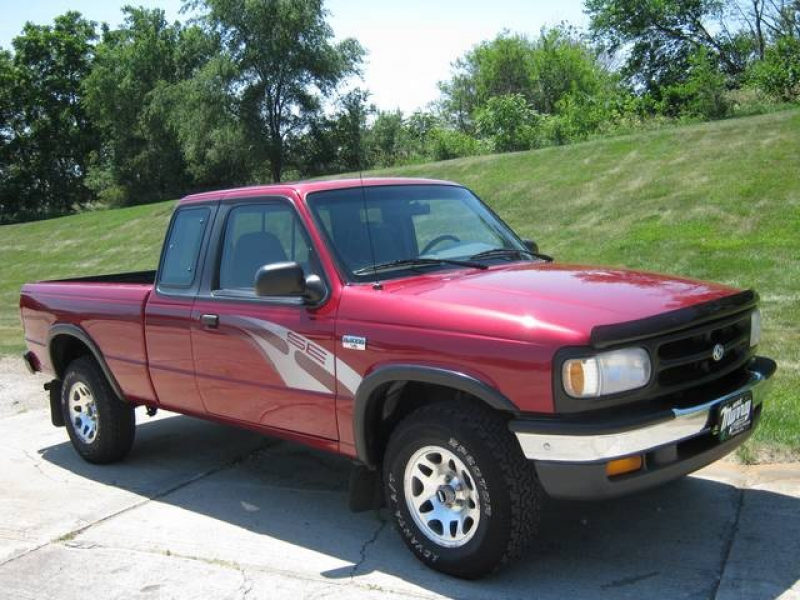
(718, 201)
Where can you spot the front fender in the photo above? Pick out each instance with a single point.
(367, 399)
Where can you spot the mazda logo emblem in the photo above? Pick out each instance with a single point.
(718, 352)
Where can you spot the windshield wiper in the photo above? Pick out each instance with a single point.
(413, 262)
(498, 252)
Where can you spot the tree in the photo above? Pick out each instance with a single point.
(497, 67)
(562, 64)
(9, 198)
(350, 125)
(285, 66)
(141, 159)
(767, 21)
(204, 116)
(541, 70)
(420, 126)
(337, 142)
(387, 143)
(459, 97)
(661, 35)
(779, 73)
(45, 134)
(503, 66)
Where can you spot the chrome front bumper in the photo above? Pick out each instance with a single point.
(684, 424)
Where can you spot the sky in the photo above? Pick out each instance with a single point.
(410, 44)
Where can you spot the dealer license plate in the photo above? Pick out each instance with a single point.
(734, 417)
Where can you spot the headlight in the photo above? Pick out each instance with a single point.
(606, 373)
(755, 328)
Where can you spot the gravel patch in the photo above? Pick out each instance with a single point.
(19, 390)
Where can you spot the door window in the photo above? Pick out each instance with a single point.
(261, 234)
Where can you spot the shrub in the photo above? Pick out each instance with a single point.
(581, 115)
(778, 74)
(751, 100)
(703, 94)
(508, 122)
(445, 144)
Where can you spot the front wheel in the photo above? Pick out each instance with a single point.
(463, 497)
(100, 425)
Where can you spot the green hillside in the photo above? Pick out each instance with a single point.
(718, 201)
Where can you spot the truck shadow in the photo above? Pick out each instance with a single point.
(283, 507)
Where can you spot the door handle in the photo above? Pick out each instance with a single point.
(211, 321)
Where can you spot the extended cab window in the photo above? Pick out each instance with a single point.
(261, 234)
(183, 247)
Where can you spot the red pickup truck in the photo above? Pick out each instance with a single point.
(401, 323)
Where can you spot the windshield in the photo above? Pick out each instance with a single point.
(401, 223)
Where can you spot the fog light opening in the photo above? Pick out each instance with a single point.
(621, 466)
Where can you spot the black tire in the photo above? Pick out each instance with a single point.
(509, 492)
(116, 421)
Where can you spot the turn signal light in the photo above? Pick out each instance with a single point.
(621, 466)
(575, 380)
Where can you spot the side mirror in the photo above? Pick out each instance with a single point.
(315, 289)
(531, 245)
(288, 279)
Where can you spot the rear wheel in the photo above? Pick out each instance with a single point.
(463, 497)
(100, 425)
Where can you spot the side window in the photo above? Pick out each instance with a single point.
(183, 247)
(260, 234)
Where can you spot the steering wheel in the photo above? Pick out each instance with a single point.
(438, 240)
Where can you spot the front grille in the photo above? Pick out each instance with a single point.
(684, 360)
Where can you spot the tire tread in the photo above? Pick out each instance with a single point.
(516, 472)
(117, 428)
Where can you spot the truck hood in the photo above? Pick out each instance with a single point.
(536, 301)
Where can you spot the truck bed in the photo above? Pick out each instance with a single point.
(109, 308)
(132, 277)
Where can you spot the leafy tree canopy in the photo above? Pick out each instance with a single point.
(541, 70)
(44, 130)
(285, 62)
(659, 37)
(141, 159)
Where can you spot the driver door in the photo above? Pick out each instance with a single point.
(260, 360)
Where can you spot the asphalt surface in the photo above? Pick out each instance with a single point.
(200, 510)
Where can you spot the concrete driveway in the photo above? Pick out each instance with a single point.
(200, 510)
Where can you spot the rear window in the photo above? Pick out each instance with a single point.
(183, 246)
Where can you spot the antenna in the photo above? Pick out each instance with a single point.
(377, 284)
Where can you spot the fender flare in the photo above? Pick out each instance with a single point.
(365, 398)
(81, 335)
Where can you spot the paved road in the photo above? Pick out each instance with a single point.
(201, 510)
